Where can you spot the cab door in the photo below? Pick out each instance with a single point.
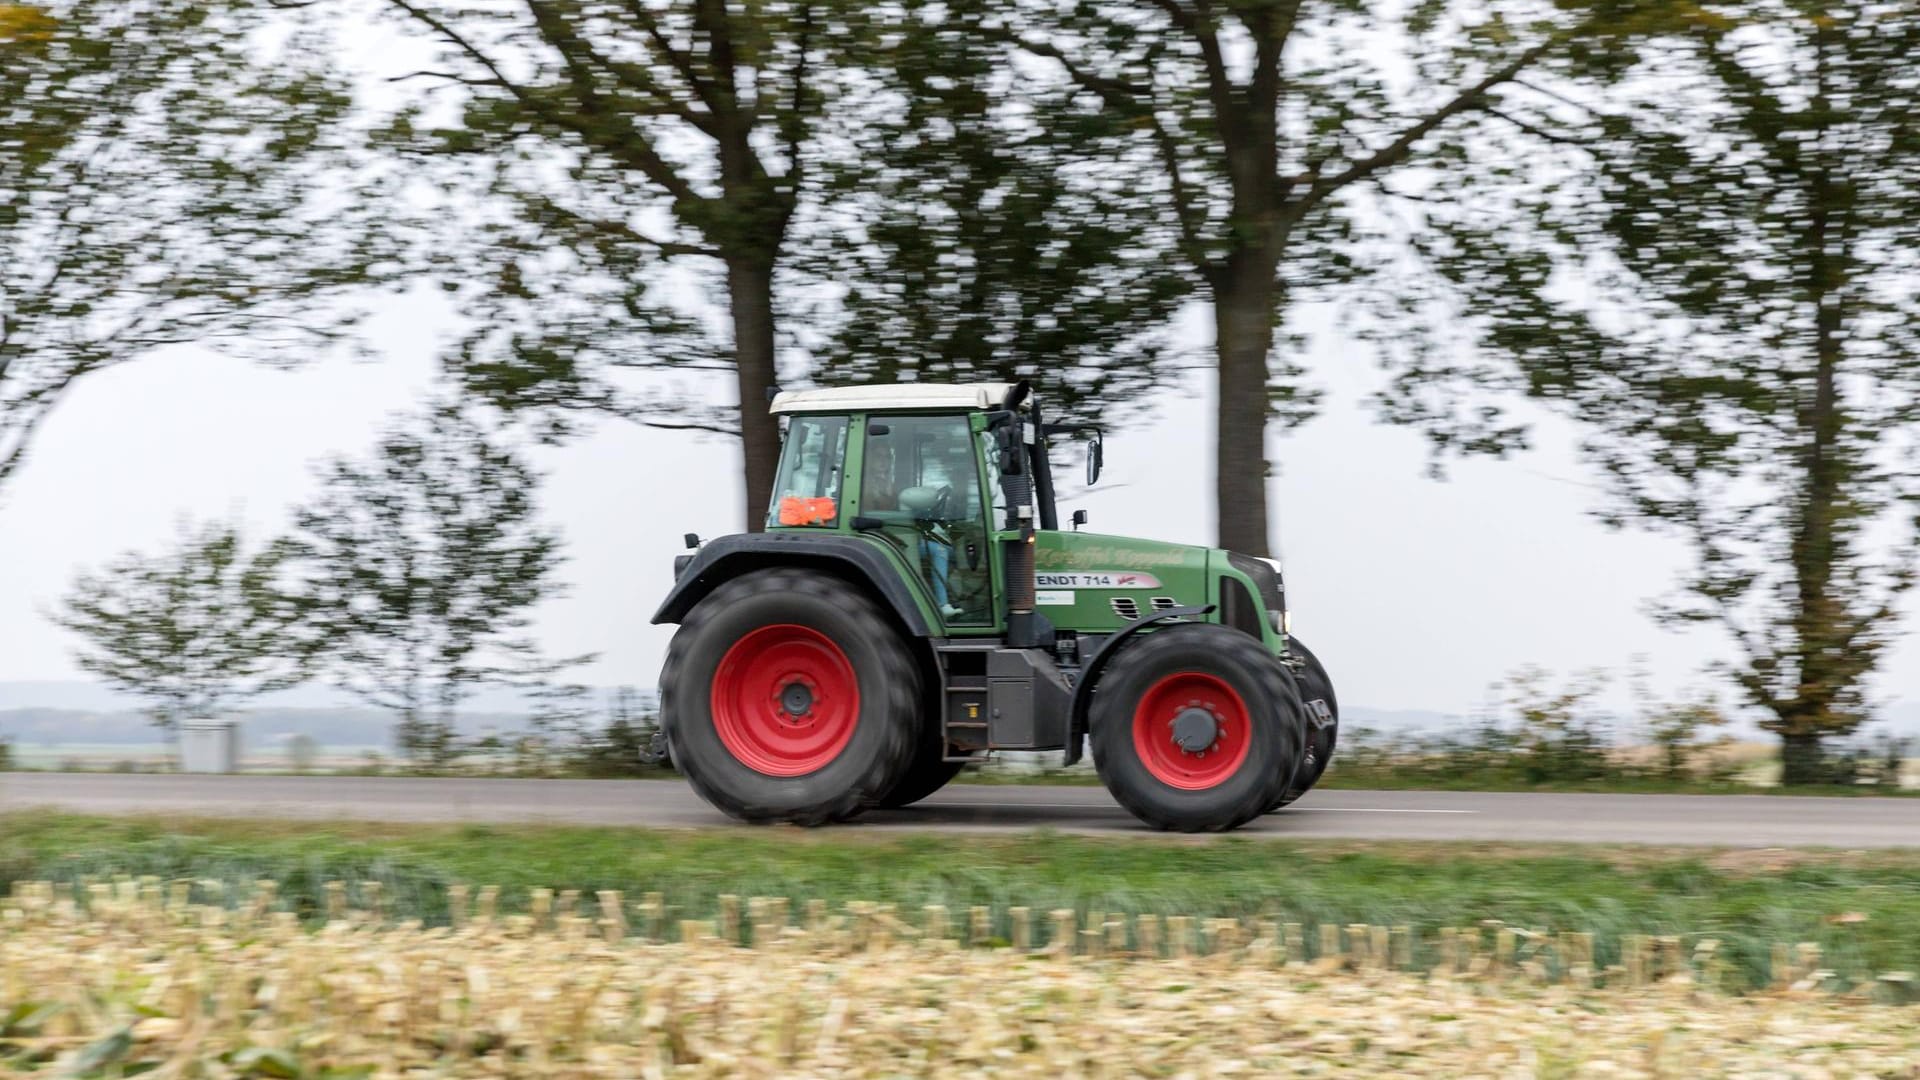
(920, 479)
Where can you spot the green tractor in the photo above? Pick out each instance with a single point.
(914, 605)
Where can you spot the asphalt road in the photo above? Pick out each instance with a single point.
(1733, 821)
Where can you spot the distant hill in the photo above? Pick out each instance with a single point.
(65, 713)
(92, 697)
(260, 727)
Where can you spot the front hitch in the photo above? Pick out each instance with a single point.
(656, 752)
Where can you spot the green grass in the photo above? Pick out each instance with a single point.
(1749, 900)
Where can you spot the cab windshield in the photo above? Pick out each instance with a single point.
(807, 490)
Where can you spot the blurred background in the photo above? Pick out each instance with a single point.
(1564, 352)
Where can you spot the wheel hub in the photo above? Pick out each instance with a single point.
(797, 699)
(1192, 730)
(1195, 730)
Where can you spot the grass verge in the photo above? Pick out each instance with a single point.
(1860, 907)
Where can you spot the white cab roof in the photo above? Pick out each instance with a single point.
(878, 397)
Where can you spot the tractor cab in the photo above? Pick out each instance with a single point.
(944, 476)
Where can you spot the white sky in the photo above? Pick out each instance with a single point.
(1417, 594)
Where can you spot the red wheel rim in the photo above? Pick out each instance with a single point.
(1191, 731)
(785, 700)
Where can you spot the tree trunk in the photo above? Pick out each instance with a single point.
(1822, 618)
(1243, 319)
(1802, 760)
(750, 292)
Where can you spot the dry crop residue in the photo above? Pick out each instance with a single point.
(130, 981)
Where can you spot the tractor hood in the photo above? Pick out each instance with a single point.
(1092, 582)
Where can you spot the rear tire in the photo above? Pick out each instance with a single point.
(928, 772)
(1196, 728)
(788, 696)
(1314, 683)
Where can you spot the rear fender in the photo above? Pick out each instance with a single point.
(851, 557)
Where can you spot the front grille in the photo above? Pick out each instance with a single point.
(1266, 580)
(1238, 608)
(1126, 607)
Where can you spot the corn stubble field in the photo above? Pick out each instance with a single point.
(168, 979)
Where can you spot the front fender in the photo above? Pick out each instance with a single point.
(1090, 674)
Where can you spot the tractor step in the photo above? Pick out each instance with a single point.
(998, 698)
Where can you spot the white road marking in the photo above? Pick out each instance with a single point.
(950, 805)
(1373, 810)
(1016, 805)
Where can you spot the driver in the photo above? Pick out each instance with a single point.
(927, 501)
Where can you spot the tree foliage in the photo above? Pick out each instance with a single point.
(1260, 121)
(421, 565)
(598, 145)
(161, 167)
(1717, 277)
(970, 236)
(193, 630)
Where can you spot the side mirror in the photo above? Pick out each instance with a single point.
(1096, 456)
(1079, 519)
(692, 540)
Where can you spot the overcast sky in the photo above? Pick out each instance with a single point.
(1418, 594)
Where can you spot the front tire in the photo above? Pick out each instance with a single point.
(1314, 683)
(1196, 728)
(788, 696)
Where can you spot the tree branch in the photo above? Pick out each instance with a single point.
(1219, 84)
(793, 127)
(578, 53)
(634, 149)
(1115, 92)
(1319, 187)
(1190, 241)
(691, 425)
(623, 231)
(1537, 131)
(680, 62)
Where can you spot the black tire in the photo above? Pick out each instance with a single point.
(1173, 657)
(928, 772)
(875, 754)
(1314, 683)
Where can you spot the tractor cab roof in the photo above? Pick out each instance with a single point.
(892, 396)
